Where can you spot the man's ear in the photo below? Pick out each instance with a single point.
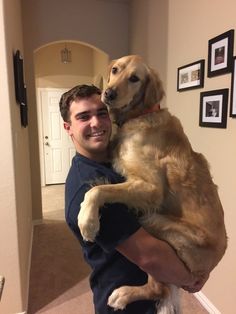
(66, 126)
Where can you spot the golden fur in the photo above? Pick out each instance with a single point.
(166, 181)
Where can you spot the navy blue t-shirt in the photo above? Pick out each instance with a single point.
(110, 269)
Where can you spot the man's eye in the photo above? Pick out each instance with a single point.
(103, 113)
(114, 70)
(83, 117)
(134, 78)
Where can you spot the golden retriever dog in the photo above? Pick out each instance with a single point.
(166, 181)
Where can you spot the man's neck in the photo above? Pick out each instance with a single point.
(99, 157)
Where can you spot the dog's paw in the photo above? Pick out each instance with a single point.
(119, 298)
(88, 222)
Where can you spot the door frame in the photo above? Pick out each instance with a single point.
(39, 91)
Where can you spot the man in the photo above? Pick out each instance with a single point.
(123, 252)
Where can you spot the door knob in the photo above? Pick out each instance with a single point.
(47, 144)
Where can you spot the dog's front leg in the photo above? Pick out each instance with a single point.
(136, 194)
(88, 218)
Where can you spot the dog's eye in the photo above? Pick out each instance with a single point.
(133, 78)
(114, 70)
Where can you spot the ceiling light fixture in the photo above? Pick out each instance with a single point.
(65, 55)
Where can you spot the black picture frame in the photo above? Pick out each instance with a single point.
(220, 54)
(19, 77)
(191, 76)
(20, 88)
(213, 108)
(232, 112)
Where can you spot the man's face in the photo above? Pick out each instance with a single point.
(89, 127)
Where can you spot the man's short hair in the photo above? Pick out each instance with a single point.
(77, 92)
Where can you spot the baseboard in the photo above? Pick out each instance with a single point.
(206, 303)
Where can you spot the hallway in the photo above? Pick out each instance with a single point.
(59, 275)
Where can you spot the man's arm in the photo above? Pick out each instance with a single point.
(158, 259)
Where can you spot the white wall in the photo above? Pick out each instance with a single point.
(187, 26)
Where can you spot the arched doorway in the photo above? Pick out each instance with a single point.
(53, 76)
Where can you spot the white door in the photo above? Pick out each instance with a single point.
(58, 146)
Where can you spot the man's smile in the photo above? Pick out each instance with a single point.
(97, 133)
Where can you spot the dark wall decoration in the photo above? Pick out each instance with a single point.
(20, 88)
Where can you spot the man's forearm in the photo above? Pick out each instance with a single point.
(156, 258)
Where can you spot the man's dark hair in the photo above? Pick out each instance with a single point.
(80, 91)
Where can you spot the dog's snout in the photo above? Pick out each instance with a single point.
(110, 94)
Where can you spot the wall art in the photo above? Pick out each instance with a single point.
(213, 108)
(20, 88)
(220, 54)
(191, 76)
(233, 91)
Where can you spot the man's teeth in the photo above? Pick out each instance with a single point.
(97, 133)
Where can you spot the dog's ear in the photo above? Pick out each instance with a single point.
(109, 70)
(154, 91)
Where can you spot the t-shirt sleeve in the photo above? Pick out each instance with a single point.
(117, 222)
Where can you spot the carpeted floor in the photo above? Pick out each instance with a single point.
(59, 275)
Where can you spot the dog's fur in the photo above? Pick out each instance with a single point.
(166, 181)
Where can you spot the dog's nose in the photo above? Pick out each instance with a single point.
(110, 94)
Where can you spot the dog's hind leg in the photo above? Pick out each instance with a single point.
(151, 291)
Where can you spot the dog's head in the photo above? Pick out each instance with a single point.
(132, 86)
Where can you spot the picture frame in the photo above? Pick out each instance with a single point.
(19, 76)
(233, 91)
(213, 108)
(220, 54)
(20, 88)
(191, 76)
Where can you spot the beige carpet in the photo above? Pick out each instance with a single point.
(59, 275)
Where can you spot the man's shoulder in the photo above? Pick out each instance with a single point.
(87, 170)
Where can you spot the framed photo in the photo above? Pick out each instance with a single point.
(213, 108)
(20, 88)
(220, 54)
(19, 77)
(233, 91)
(191, 76)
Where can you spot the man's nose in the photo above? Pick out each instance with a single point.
(94, 121)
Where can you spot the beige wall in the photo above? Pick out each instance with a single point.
(15, 190)
(148, 35)
(101, 61)
(190, 25)
(187, 42)
(51, 72)
(88, 65)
